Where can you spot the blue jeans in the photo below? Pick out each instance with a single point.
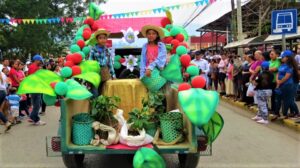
(2, 117)
(288, 97)
(36, 103)
(294, 108)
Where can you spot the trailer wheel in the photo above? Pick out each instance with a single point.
(189, 160)
(73, 160)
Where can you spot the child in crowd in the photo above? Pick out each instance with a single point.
(263, 89)
(14, 100)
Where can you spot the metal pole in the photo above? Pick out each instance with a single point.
(239, 25)
(283, 42)
(200, 39)
(216, 41)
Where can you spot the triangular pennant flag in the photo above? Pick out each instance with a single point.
(177, 6)
(32, 21)
(37, 21)
(136, 13)
(123, 15)
(172, 7)
(44, 21)
(19, 21)
(127, 14)
(24, 21)
(159, 10)
(7, 21)
(62, 19)
(1, 20)
(57, 20)
(49, 21)
(154, 11)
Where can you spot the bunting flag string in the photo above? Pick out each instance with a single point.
(67, 20)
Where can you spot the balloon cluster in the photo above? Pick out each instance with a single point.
(118, 60)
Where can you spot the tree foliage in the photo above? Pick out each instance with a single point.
(38, 38)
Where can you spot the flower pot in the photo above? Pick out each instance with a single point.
(151, 128)
(171, 124)
(82, 131)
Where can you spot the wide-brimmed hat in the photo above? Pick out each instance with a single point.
(153, 27)
(101, 31)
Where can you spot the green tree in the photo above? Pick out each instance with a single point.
(39, 38)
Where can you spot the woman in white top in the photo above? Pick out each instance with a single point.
(3, 87)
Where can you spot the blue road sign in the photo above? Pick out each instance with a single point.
(284, 21)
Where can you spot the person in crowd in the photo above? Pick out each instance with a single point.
(101, 54)
(13, 74)
(3, 89)
(14, 100)
(36, 97)
(27, 64)
(222, 72)
(246, 77)
(202, 64)
(263, 83)
(60, 63)
(237, 78)
(154, 53)
(297, 58)
(229, 80)
(255, 69)
(286, 77)
(213, 71)
(5, 64)
(274, 65)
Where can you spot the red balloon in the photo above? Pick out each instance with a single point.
(86, 35)
(122, 60)
(69, 57)
(76, 70)
(184, 44)
(87, 29)
(76, 58)
(80, 43)
(168, 40)
(180, 37)
(173, 51)
(175, 43)
(69, 64)
(52, 84)
(184, 86)
(165, 21)
(90, 21)
(95, 27)
(185, 60)
(198, 82)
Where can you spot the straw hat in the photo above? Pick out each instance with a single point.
(101, 31)
(153, 27)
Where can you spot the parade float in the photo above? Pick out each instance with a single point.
(166, 113)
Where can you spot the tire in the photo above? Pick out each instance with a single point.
(127, 74)
(73, 160)
(189, 160)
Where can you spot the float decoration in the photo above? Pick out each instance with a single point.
(130, 36)
(130, 62)
(92, 77)
(199, 105)
(148, 158)
(214, 127)
(172, 72)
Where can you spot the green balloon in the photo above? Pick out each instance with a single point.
(61, 88)
(49, 100)
(86, 50)
(117, 58)
(169, 26)
(117, 65)
(182, 31)
(174, 31)
(74, 48)
(66, 72)
(180, 50)
(148, 158)
(89, 66)
(166, 32)
(193, 70)
(82, 54)
(78, 38)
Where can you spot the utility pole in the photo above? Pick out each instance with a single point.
(259, 19)
(239, 25)
(233, 23)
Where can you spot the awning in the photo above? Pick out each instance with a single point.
(239, 43)
(279, 37)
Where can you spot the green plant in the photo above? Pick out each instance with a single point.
(139, 118)
(102, 109)
(156, 102)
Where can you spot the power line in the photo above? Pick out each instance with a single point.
(196, 16)
(191, 15)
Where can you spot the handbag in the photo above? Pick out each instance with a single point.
(105, 74)
(250, 90)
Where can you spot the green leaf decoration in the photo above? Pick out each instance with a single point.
(148, 158)
(35, 84)
(49, 100)
(92, 77)
(166, 32)
(89, 66)
(172, 71)
(72, 82)
(199, 105)
(91, 41)
(182, 31)
(78, 93)
(48, 76)
(213, 128)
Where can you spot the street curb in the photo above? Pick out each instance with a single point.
(287, 122)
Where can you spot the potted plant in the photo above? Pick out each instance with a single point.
(102, 110)
(156, 105)
(138, 120)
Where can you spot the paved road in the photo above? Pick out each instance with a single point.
(243, 143)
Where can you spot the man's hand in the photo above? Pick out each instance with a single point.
(148, 72)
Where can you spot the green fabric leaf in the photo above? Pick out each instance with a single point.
(35, 84)
(91, 41)
(89, 66)
(213, 128)
(91, 77)
(148, 158)
(172, 71)
(78, 93)
(166, 32)
(48, 76)
(199, 105)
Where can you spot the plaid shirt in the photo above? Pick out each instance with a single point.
(102, 55)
